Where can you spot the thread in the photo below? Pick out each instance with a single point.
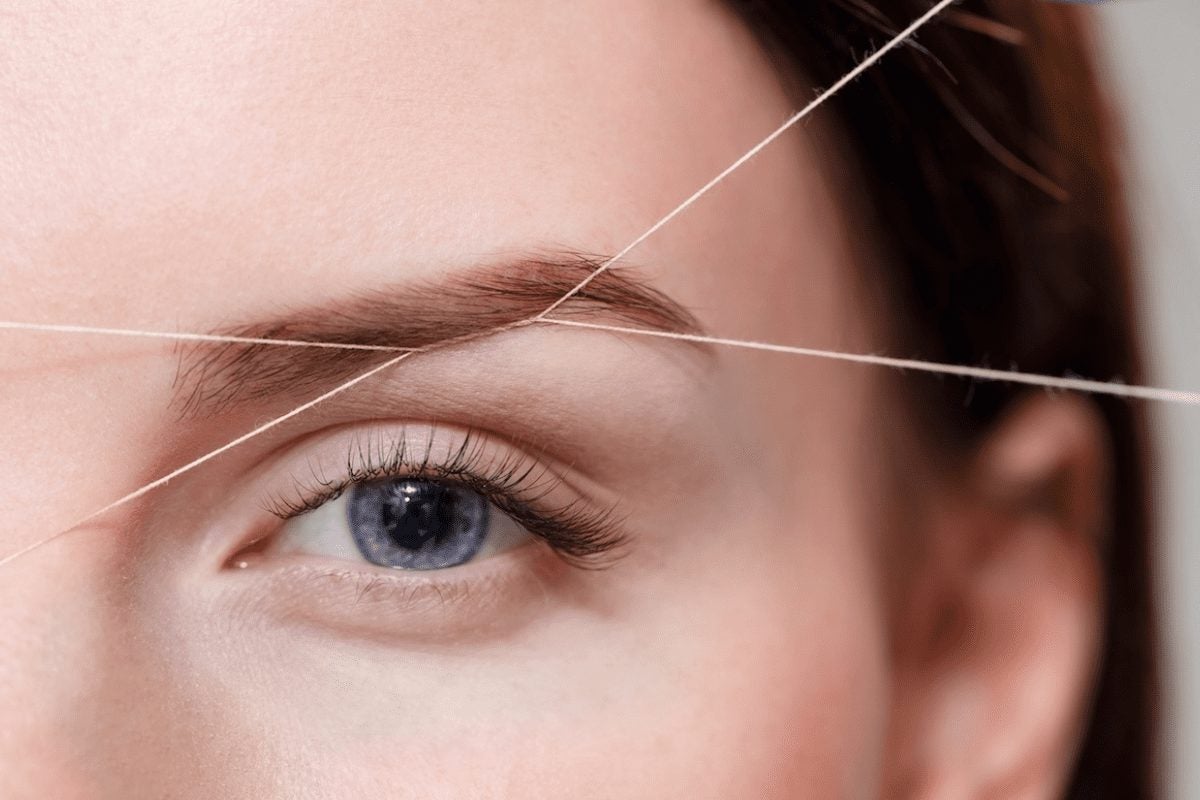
(214, 338)
(1088, 385)
(188, 467)
(820, 99)
(980, 373)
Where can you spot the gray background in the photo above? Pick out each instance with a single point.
(1154, 65)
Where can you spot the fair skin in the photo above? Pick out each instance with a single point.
(778, 624)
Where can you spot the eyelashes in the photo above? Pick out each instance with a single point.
(528, 491)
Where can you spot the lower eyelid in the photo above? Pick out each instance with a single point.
(478, 599)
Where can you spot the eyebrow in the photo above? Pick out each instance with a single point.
(211, 378)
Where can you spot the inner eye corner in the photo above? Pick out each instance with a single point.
(248, 554)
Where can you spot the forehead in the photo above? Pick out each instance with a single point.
(304, 136)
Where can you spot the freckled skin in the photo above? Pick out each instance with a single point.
(193, 165)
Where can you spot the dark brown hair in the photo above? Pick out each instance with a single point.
(988, 153)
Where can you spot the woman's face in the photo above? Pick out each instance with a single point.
(386, 172)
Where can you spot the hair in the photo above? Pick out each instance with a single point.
(989, 156)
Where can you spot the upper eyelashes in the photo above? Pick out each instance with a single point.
(444, 499)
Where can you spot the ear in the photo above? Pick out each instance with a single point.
(999, 630)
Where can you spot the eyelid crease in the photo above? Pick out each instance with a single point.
(588, 538)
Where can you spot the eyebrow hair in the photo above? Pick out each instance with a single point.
(213, 377)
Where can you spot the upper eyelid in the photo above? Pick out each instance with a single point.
(315, 442)
(361, 465)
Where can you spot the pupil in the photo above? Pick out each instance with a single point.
(416, 514)
(417, 524)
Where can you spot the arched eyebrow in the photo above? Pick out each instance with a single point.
(213, 377)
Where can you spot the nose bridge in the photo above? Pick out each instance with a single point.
(51, 631)
(74, 705)
(103, 690)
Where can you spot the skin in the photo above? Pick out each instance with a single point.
(810, 603)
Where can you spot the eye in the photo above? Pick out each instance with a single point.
(404, 523)
(424, 498)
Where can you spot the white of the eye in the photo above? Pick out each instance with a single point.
(325, 531)
(503, 533)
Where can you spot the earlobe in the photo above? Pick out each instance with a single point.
(993, 684)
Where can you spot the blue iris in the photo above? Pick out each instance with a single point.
(417, 524)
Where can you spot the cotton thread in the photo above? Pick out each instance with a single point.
(981, 373)
(851, 75)
(862, 67)
(188, 467)
(1088, 385)
(213, 338)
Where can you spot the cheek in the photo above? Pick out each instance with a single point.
(794, 675)
(772, 676)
